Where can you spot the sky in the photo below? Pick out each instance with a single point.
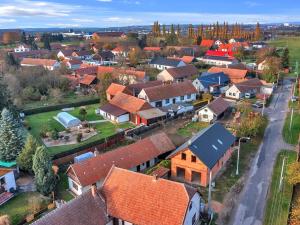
(116, 13)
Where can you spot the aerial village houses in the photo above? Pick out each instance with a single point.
(161, 63)
(48, 64)
(250, 87)
(214, 83)
(213, 111)
(128, 197)
(168, 94)
(178, 74)
(200, 159)
(218, 60)
(234, 75)
(136, 157)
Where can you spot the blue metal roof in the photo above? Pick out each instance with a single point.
(209, 79)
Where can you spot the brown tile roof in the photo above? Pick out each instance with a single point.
(129, 103)
(92, 70)
(152, 49)
(82, 53)
(142, 199)
(250, 84)
(119, 71)
(235, 75)
(113, 110)
(88, 79)
(170, 90)
(4, 171)
(188, 59)
(86, 209)
(136, 88)
(218, 106)
(38, 62)
(94, 169)
(115, 88)
(160, 172)
(183, 71)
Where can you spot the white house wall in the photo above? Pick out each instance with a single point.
(178, 100)
(164, 76)
(206, 111)
(10, 181)
(195, 210)
(233, 92)
(80, 189)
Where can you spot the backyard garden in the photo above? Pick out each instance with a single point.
(50, 132)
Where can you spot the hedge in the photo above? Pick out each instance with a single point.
(43, 109)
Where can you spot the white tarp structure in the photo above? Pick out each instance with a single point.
(67, 120)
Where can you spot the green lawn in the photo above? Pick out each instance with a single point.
(61, 191)
(19, 207)
(190, 128)
(293, 43)
(278, 204)
(46, 120)
(291, 136)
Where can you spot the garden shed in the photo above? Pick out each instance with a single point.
(67, 120)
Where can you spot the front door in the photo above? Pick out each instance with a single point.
(174, 100)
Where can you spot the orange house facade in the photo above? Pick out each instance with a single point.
(201, 158)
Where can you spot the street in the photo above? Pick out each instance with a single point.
(252, 201)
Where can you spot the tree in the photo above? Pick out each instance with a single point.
(134, 56)
(240, 53)
(11, 139)
(46, 40)
(172, 38)
(285, 58)
(106, 82)
(5, 100)
(257, 34)
(24, 160)
(42, 167)
(10, 61)
(23, 38)
(83, 113)
(272, 69)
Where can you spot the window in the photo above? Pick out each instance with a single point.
(205, 116)
(194, 219)
(230, 93)
(191, 206)
(181, 98)
(75, 186)
(233, 94)
(183, 156)
(193, 159)
(167, 101)
(189, 96)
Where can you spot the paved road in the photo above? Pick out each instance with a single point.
(250, 209)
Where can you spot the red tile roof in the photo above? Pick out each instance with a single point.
(115, 88)
(4, 171)
(38, 62)
(235, 75)
(152, 49)
(219, 53)
(88, 79)
(129, 103)
(94, 169)
(188, 59)
(92, 70)
(207, 43)
(116, 72)
(160, 172)
(170, 90)
(142, 199)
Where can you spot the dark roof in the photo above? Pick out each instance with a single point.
(134, 89)
(110, 34)
(170, 90)
(165, 61)
(183, 71)
(218, 106)
(209, 145)
(85, 209)
(249, 85)
(209, 79)
(106, 55)
(113, 110)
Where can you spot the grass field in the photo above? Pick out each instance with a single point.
(19, 207)
(278, 204)
(46, 120)
(293, 43)
(190, 128)
(291, 136)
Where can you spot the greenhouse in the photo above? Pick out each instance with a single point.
(67, 120)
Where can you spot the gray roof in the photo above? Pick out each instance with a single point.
(165, 61)
(209, 145)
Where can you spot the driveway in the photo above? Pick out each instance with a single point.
(252, 201)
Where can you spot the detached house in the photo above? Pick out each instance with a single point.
(48, 64)
(7, 184)
(136, 157)
(178, 74)
(213, 111)
(168, 94)
(130, 198)
(161, 63)
(83, 55)
(200, 159)
(238, 91)
(113, 90)
(234, 75)
(214, 83)
(218, 60)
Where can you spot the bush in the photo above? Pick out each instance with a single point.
(54, 135)
(79, 137)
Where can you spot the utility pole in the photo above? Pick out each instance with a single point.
(281, 174)
(209, 191)
(291, 120)
(263, 109)
(238, 154)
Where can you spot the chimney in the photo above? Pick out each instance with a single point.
(94, 190)
(155, 177)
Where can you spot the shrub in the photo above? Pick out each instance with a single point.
(54, 135)
(79, 137)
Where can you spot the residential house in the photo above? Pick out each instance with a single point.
(48, 64)
(104, 56)
(152, 49)
(22, 48)
(218, 60)
(124, 108)
(65, 54)
(178, 74)
(90, 70)
(214, 83)
(262, 65)
(120, 51)
(7, 184)
(161, 63)
(87, 80)
(234, 75)
(219, 53)
(168, 94)
(188, 59)
(128, 197)
(259, 45)
(199, 160)
(218, 42)
(137, 157)
(42, 53)
(213, 111)
(238, 91)
(114, 89)
(135, 89)
(236, 40)
(72, 64)
(207, 43)
(112, 35)
(83, 55)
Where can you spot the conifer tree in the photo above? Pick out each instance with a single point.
(285, 59)
(257, 32)
(42, 168)
(11, 138)
(25, 158)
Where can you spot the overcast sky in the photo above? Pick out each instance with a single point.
(106, 13)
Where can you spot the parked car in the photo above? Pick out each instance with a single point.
(257, 105)
(249, 95)
(294, 98)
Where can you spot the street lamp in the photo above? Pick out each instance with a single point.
(238, 156)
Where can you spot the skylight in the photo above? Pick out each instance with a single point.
(220, 141)
(214, 147)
